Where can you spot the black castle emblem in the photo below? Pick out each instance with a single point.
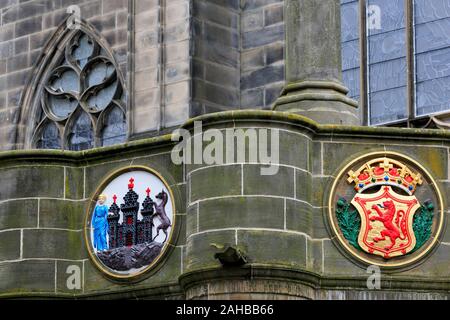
(131, 242)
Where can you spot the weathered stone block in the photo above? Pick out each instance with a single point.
(273, 15)
(274, 248)
(261, 37)
(17, 62)
(179, 31)
(253, 21)
(252, 59)
(274, 53)
(224, 76)
(192, 220)
(216, 52)
(51, 243)
(241, 212)
(337, 264)
(315, 257)
(177, 71)
(252, 98)
(114, 5)
(21, 45)
(321, 185)
(316, 158)
(9, 245)
(176, 114)
(177, 11)
(62, 214)
(293, 149)
(299, 217)
(181, 222)
(27, 182)
(280, 184)
(18, 214)
(261, 77)
(16, 277)
(144, 116)
(177, 92)
(303, 185)
(74, 184)
(27, 26)
(205, 10)
(215, 182)
(319, 218)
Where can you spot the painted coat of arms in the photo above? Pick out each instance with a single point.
(126, 236)
(384, 218)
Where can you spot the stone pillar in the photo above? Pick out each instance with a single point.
(313, 63)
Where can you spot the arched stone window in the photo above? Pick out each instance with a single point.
(81, 103)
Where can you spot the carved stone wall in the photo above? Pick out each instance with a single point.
(279, 221)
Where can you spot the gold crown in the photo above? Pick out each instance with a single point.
(385, 171)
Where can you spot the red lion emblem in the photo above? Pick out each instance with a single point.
(392, 228)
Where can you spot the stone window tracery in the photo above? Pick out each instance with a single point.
(81, 104)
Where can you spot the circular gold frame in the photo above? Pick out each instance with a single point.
(343, 242)
(87, 227)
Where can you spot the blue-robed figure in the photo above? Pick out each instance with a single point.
(100, 224)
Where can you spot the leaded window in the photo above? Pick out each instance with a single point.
(82, 100)
(396, 59)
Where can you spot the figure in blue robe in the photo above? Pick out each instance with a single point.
(100, 224)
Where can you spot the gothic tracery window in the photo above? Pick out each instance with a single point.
(81, 105)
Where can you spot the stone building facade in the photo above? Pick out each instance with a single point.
(250, 64)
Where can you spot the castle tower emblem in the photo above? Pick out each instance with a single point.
(135, 234)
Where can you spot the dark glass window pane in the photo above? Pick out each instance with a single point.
(103, 97)
(81, 136)
(99, 73)
(387, 62)
(83, 50)
(350, 46)
(62, 106)
(115, 128)
(432, 32)
(66, 82)
(49, 137)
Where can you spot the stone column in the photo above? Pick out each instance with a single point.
(313, 63)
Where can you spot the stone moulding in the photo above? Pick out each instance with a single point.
(234, 116)
(310, 279)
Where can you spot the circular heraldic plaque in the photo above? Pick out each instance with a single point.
(129, 223)
(386, 209)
